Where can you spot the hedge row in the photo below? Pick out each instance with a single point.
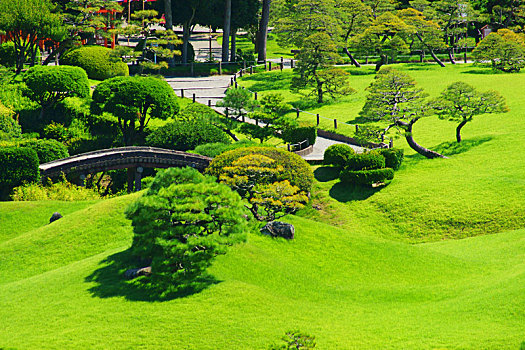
(19, 166)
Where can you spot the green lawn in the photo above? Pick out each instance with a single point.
(272, 49)
(61, 287)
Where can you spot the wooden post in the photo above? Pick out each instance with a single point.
(382, 137)
(270, 65)
(209, 103)
(335, 123)
(298, 112)
(318, 119)
(236, 85)
(235, 77)
(257, 122)
(240, 73)
(182, 93)
(366, 60)
(265, 65)
(251, 69)
(282, 66)
(226, 111)
(291, 63)
(289, 150)
(231, 81)
(356, 128)
(255, 95)
(244, 64)
(282, 61)
(193, 98)
(391, 143)
(243, 118)
(220, 68)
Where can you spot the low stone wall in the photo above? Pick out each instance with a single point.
(304, 152)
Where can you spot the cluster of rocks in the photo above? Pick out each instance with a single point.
(134, 273)
(279, 229)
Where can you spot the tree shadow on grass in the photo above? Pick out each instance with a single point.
(482, 71)
(343, 192)
(269, 81)
(326, 173)
(111, 282)
(451, 148)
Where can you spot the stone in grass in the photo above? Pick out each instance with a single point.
(55, 217)
(279, 229)
(134, 273)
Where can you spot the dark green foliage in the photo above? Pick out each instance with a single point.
(8, 54)
(97, 61)
(365, 161)
(296, 340)
(19, 165)
(182, 223)
(48, 85)
(295, 169)
(338, 155)
(47, 150)
(299, 134)
(214, 149)
(393, 157)
(183, 136)
(366, 177)
(9, 128)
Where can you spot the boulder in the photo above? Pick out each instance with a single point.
(55, 217)
(279, 229)
(134, 273)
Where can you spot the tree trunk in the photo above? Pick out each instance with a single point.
(233, 51)
(419, 149)
(262, 33)
(56, 52)
(381, 62)
(226, 30)
(451, 55)
(458, 130)
(351, 57)
(168, 15)
(438, 61)
(319, 92)
(185, 41)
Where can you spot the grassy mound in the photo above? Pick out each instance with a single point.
(61, 287)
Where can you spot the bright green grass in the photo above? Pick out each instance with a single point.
(60, 287)
(273, 50)
(478, 190)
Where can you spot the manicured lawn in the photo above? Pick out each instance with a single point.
(273, 50)
(61, 287)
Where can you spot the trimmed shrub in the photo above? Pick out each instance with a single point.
(97, 61)
(393, 157)
(365, 161)
(8, 54)
(366, 177)
(183, 136)
(299, 134)
(212, 150)
(19, 166)
(9, 128)
(338, 155)
(61, 191)
(47, 150)
(295, 169)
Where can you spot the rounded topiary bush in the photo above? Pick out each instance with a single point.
(295, 169)
(7, 54)
(366, 177)
(393, 157)
(47, 150)
(183, 136)
(96, 61)
(338, 155)
(299, 134)
(365, 161)
(19, 166)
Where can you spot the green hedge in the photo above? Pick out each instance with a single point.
(96, 61)
(393, 157)
(366, 177)
(296, 170)
(365, 161)
(212, 150)
(338, 155)
(19, 165)
(299, 134)
(7, 54)
(47, 150)
(183, 136)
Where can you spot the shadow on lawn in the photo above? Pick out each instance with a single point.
(326, 173)
(111, 281)
(452, 148)
(343, 192)
(268, 81)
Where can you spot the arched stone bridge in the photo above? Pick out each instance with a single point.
(132, 158)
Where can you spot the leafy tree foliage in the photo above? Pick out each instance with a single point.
(238, 101)
(355, 16)
(394, 98)
(19, 165)
(296, 340)
(99, 62)
(134, 101)
(504, 49)
(460, 102)
(27, 22)
(201, 113)
(182, 223)
(314, 68)
(256, 178)
(49, 85)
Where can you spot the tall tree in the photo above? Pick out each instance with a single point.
(394, 98)
(226, 30)
(262, 32)
(26, 22)
(460, 102)
(355, 17)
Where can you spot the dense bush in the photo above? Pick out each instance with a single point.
(338, 155)
(60, 191)
(9, 128)
(365, 161)
(183, 136)
(19, 166)
(295, 169)
(97, 61)
(47, 150)
(299, 134)
(214, 149)
(393, 157)
(366, 177)
(8, 54)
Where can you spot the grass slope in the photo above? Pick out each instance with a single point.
(349, 289)
(478, 190)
